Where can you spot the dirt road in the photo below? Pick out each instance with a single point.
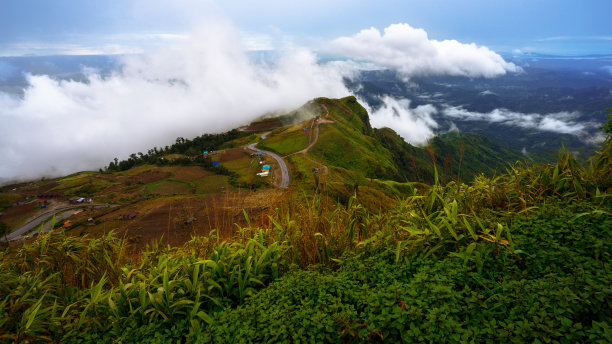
(323, 168)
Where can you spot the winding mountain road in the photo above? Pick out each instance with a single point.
(283, 166)
(323, 167)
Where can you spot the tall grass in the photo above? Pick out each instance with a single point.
(62, 286)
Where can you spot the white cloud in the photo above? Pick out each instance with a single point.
(205, 83)
(414, 125)
(487, 93)
(559, 122)
(410, 51)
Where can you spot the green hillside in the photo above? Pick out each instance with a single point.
(522, 256)
(351, 143)
(472, 155)
(370, 160)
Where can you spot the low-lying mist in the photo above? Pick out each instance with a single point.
(204, 85)
(207, 83)
(414, 125)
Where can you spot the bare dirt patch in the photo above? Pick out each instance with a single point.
(33, 190)
(148, 177)
(116, 192)
(113, 188)
(175, 220)
(17, 210)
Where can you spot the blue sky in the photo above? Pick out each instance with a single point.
(116, 26)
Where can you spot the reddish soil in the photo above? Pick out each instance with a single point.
(107, 176)
(148, 177)
(264, 125)
(170, 220)
(18, 210)
(113, 188)
(14, 215)
(37, 190)
(232, 154)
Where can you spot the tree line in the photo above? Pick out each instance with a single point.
(191, 149)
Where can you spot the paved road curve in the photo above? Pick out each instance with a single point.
(66, 212)
(284, 170)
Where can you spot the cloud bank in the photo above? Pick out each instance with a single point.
(558, 122)
(414, 125)
(410, 51)
(417, 125)
(204, 82)
(202, 85)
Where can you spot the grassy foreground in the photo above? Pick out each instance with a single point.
(523, 257)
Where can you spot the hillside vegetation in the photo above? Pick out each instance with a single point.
(383, 154)
(524, 256)
(378, 161)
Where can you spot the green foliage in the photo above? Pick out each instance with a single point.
(607, 127)
(77, 288)
(352, 144)
(192, 148)
(286, 142)
(413, 163)
(464, 156)
(480, 294)
(354, 152)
